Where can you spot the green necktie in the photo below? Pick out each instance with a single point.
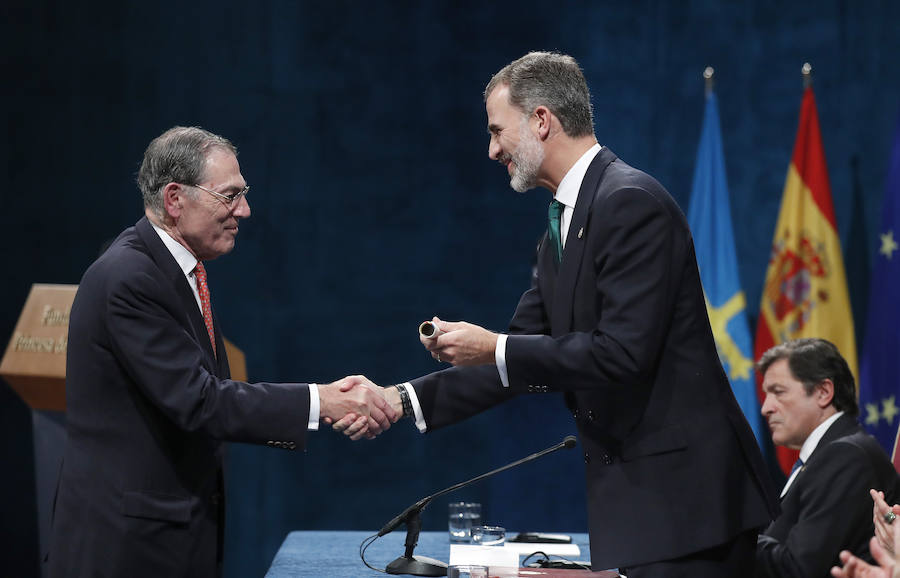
(554, 212)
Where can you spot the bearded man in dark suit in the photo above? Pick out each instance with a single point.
(615, 318)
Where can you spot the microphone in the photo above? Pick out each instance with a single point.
(421, 565)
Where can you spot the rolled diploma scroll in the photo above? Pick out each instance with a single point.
(429, 330)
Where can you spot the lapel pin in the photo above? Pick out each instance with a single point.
(580, 232)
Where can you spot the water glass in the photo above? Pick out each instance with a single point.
(462, 516)
(467, 571)
(488, 535)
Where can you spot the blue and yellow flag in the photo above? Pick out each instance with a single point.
(709, 215)
(879, 373)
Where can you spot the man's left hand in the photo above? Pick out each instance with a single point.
(461, 343)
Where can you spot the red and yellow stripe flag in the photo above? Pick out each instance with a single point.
(805, 294)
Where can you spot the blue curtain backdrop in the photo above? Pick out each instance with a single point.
(362, 130)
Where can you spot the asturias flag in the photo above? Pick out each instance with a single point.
(879, 377)
(709, 215)
(805, 294)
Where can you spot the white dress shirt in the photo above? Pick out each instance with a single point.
(809, 446)
(187, 262)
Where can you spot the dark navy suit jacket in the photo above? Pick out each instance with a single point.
(148, 407)
(620, 326)
(828, 508)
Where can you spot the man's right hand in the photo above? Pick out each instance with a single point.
(358, 397)
(883, 530)
(351, 424)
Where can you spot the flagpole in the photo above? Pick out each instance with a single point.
(806, 71)
(708, 74)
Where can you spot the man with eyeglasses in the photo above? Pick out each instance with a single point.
(148, 394)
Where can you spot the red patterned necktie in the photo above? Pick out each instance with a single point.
(203, 290)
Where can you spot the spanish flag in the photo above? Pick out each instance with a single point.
(805, 294)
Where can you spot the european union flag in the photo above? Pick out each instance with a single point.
(879, 373)
(709, 215)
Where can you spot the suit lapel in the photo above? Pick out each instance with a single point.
(563, 302)
(842, 426)
(546, 273)
(175, 276)
(224, 370)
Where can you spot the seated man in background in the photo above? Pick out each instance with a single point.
(810, 405)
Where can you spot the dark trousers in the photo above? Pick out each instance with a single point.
(734, 559)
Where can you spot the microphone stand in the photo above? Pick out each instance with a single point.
(422, 565)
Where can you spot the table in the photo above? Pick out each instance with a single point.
(336, 555)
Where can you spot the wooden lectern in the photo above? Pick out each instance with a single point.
(35, 366)
(35, 360)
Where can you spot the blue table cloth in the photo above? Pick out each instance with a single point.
(336, 554)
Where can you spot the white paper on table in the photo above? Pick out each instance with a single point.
(493, 556)
(550, 548)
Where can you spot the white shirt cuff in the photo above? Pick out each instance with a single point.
(313, 424)
(500, 358)
(417, 409)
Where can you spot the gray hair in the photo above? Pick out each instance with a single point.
(176, 156)
(812, 361)
(553, 80)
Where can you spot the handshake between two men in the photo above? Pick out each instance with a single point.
(360, 409)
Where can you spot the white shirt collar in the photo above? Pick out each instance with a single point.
(185, 259)
(567, 192)
(809, 446)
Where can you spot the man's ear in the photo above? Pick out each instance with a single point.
(824, 393)
(173, 199)
(544, 119)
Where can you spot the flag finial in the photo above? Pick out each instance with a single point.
(708, 74)
(806, 71)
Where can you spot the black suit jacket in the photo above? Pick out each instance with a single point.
(148, 406)
(828, 508)
(620, 326)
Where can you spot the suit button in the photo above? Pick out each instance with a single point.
(270, 443)
(575, 414)
(587, 458)
(607, 459)
(291, 445)
(591, 414)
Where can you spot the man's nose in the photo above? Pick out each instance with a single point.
(242, 210)
(493, 150)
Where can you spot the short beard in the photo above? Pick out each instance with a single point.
(527, 157)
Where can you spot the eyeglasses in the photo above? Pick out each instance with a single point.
(230, 200)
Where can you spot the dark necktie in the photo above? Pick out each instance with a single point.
(554, 212)
(798, 465)
(203, 291)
